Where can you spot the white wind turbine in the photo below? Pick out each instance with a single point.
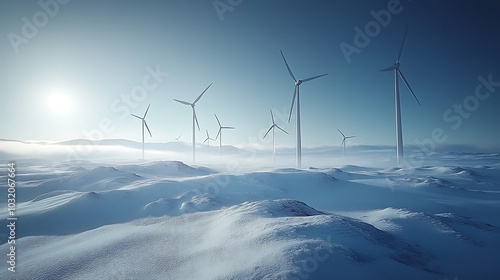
(208, 139)
(273, 126)
(296, 94)
(195, 119)
(343, 140)
(220, 133)
(143, 120)
(177, 139)
(399, 132)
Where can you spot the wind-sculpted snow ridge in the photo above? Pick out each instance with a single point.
(416, 182)
(169, 220)
(100, 178)
(272, 239)
(167, 169)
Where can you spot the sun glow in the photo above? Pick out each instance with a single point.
(59, 102)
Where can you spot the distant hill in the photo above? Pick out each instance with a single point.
(178, 146)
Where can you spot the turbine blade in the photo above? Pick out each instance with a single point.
(267, 132)
(206, 140)
(341, 133)
(288, 67)
(348, 137)
(402, 44)
(147, 128)
(201, 94)
(217, 120)
(207, 134)
(136, 116)
(315, 77)
(146, 112)
(293, 101)
(387, 69)
(228, 127)
(343, 141)
(408, 85)
(272, 117)
(281, 129)
(218, 133)
(196, 119)
(183, 102)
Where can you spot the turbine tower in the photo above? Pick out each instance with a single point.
(296, 94)
(399, 131)
(343, 140)
(208, 139)
(273, 126)
(195, 119)
(220, 133)
(143, 120)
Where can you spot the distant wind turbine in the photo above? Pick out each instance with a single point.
(143, 120)
(195, 119)
(343, 140)
(296, 94)
(220, 133)
(273, 126)
(208, 139)
(177, 139)
(399, 131)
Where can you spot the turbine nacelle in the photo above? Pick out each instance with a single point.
(195, 119)
(397, 72)
(143, 119)
(273, 126)
(221, 127)
(296, 96)
(144, 123)
(393, 67)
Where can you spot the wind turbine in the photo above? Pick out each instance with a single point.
(220, 133)
(399, 132)
(343, 140)
(274, 142)
(177, 139)
(208, 139)
(296, 94)
(143, 119)
(195, 119)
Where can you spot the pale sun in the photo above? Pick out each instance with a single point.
(59, 102)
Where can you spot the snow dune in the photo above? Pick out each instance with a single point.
(276, 239)
(168, 220)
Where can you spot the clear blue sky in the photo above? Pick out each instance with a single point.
(96, 52)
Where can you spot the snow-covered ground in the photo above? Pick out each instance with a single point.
(169, 220)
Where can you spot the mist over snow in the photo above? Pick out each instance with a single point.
(107, 215)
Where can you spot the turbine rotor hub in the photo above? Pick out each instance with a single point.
(297, 83)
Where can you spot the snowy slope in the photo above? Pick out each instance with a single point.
(274, 239)
(168, 220)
